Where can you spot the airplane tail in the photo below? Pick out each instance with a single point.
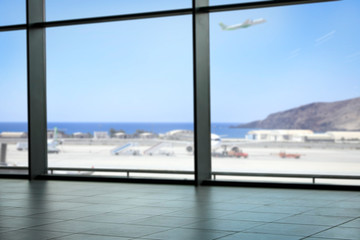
(55, 141)
(223, 26)
(55, 134)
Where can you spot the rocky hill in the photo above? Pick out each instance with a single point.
(319, 117)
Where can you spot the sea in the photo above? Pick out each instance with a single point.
(225, 130)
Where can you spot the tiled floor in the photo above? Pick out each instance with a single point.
(114, 211)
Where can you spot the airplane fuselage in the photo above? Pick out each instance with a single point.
(246, 24)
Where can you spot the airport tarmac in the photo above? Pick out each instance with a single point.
(337, 161)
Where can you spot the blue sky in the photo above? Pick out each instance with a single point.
(141, 71)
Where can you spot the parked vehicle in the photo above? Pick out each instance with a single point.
(289, 155)
(237, 154)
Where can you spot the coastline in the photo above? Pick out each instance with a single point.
(69, 128)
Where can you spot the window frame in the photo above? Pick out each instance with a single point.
(36, 26)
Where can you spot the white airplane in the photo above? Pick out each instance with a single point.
(246, 24)
(51, 143)
(215, 141)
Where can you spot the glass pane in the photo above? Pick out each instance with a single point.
(12, 12)
(13, 109)
(68, 9)
(285, 91)
(116, 93)
(221, 2)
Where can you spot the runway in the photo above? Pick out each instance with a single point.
(262, 158)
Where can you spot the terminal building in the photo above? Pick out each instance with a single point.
(282, 135)
(279, 135)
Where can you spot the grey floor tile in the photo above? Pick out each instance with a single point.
(24, 222)
(200, 213)
(103, 208)
(5, 229)
(47, 206)
(258, 236)
(20, 212)
(225, 206)
(30, 234)
(53, 197)
(333, 211)
(304, 203)
(65, 214)
(125, 230)
(13, 203)
(78, 236)
(288, 229)
(177, 204)
(114, 218)
(148, 210)
(164, 221)
(315, 238)
(282, 209)
(98, 200)
(15, 196)
(136, 201)
(257, 200)
(345, 204)
(315, 220)
(340, 233)
(188, 234)
(355, 224)
(161, 196)
(68, 226)
(88, 210)
(256, 216)
(223, 225)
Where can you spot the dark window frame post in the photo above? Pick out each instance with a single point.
(202, 123)
(36, 71)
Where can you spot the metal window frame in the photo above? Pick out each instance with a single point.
(36, 61)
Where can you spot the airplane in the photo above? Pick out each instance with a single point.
(51, 143)
(246, 24)
(182, 137)
(215, 141)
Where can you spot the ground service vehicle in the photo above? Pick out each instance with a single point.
(289, 155)
(237, 154)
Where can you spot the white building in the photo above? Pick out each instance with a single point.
(119, 135)
(345, 136)
(81, 135)
(101, 135)
(180, 134)
(13, 135)
(279, 135)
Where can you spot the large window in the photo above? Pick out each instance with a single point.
(120, 95)
(12, 12)
(13, 113)
(220, 2)
(123, 78)
(69, 9)
(285, 89)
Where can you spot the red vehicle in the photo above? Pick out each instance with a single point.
(289, 155)
(237, 154)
